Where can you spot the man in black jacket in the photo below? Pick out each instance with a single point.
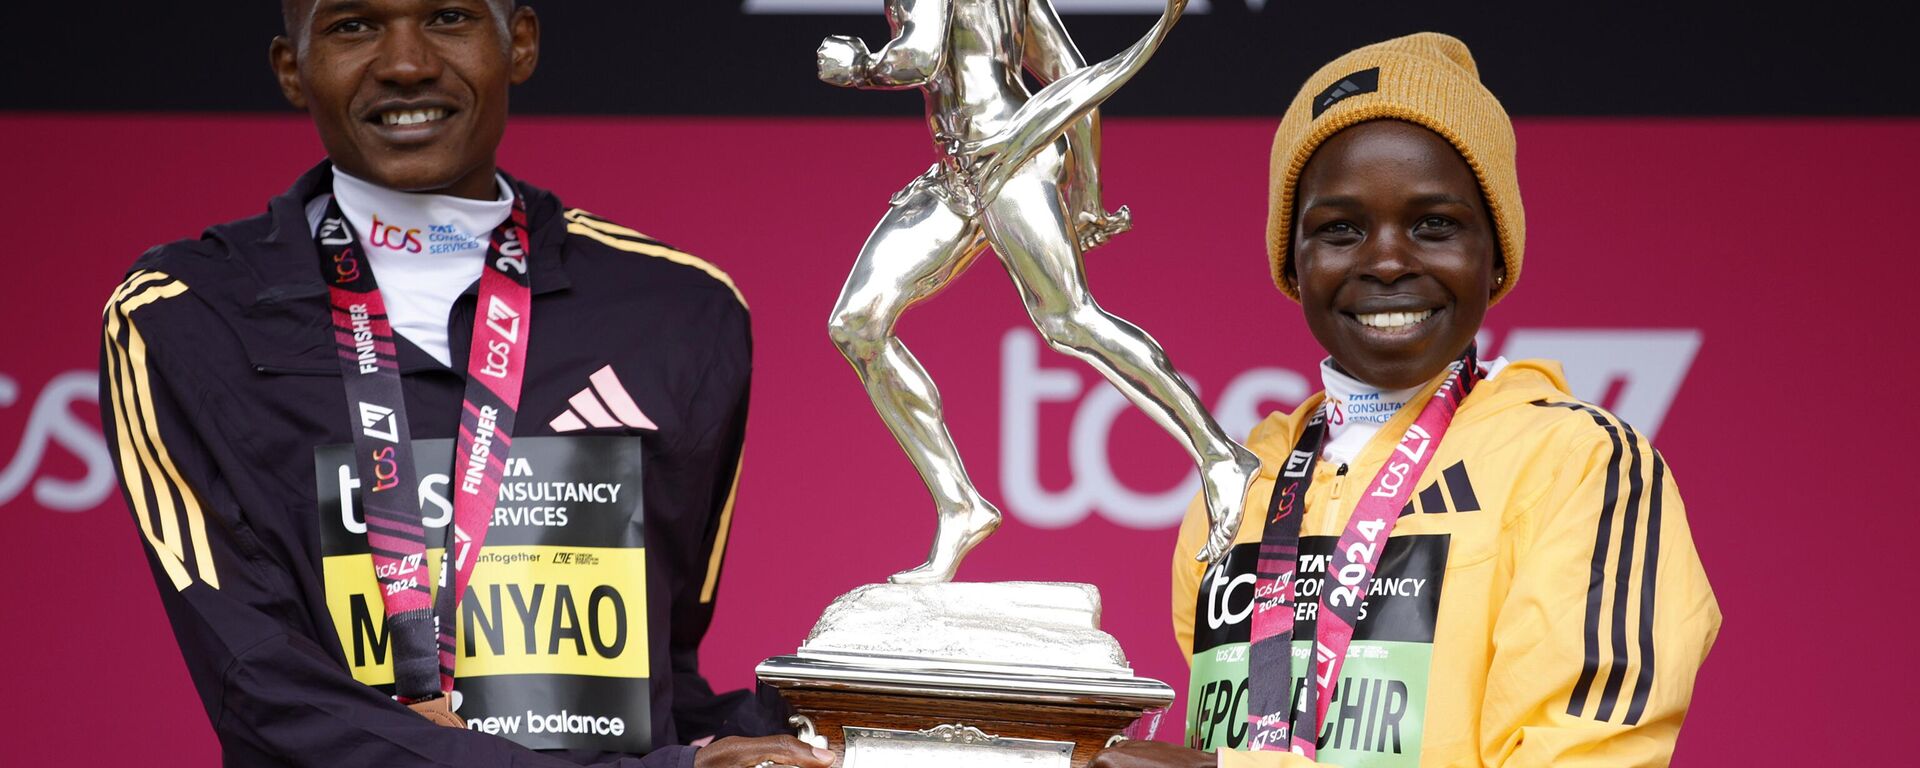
(287, 434)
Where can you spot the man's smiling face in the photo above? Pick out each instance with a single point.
(408, 94)
(1394, 253)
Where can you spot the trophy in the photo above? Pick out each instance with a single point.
(923, 671)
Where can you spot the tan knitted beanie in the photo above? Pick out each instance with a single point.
(1428, 79)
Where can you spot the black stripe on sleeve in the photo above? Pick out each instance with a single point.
(1461, 488)
(1643, 684)
(1596, 579)
(1623, 580)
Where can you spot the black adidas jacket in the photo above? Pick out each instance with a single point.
(219, 380)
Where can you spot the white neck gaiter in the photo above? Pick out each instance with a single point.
(1357, 410)
(424, 250)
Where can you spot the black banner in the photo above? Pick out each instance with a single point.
(1227, 57)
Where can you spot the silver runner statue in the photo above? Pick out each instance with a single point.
(1020, 172)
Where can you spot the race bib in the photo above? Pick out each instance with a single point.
(552, 638)
(1378, 709)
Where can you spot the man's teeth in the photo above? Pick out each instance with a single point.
(1392, 320)
(413, 116)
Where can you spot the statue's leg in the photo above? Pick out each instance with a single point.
(1028, 226)
(915, 251)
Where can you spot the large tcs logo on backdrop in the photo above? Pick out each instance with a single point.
(1633, 372)
(52, 421)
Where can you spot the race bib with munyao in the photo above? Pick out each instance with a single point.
(551, 639)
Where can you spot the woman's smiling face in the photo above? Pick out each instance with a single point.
(1394, 253)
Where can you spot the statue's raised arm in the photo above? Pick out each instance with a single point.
(1049, 113)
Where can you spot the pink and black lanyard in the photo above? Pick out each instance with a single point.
(1281, 717)
(383, 448)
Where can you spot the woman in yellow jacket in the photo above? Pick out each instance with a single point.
(1446, 561)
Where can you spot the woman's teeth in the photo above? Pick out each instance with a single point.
(1393, 320)
(413, 116)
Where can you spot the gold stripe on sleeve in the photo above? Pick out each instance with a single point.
(584, 229)
(133, 281)
(133, 395)
(136, 465)
(720, 540)
(578, 216)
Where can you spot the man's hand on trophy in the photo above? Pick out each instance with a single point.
(845, 61)
(1151, 754)
(761, 752)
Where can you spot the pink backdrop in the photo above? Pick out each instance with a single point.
(1719, 258)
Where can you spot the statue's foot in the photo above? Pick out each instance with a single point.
(1225, 484)
(959, 532)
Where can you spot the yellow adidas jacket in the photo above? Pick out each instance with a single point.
(1540, 602)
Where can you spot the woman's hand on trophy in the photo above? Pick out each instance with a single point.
(1152, 754)
(761, 751)
(845, 61)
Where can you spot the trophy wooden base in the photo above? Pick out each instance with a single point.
(875, 717)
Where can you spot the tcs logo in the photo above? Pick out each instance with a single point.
(1634, 372)
(1229, 597)
(386, 471)
(56, 419)
(393, 238)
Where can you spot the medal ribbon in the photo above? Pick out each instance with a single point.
(419, 626)
(1279, 715)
